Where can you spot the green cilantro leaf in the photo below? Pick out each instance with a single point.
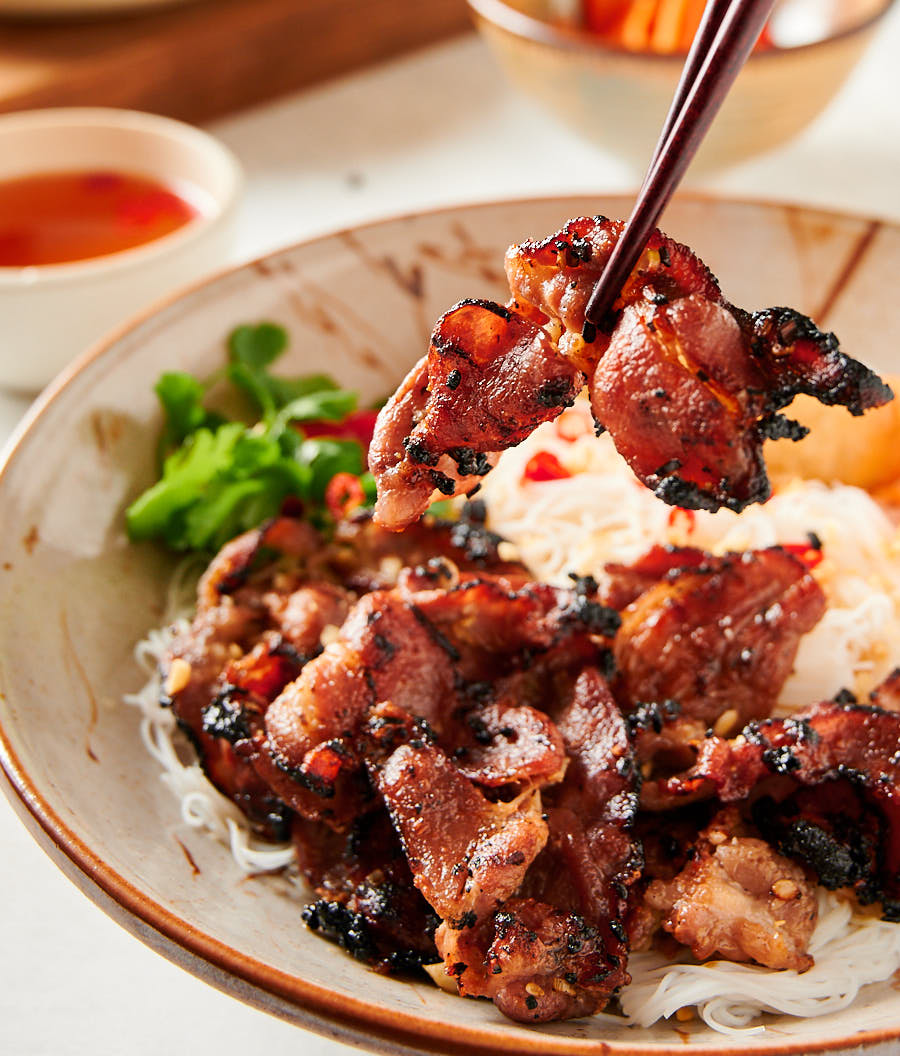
(223, 477)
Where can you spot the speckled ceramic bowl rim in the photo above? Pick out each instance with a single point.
(502, 16)
(353, 1021)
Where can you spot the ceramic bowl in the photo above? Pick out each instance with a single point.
(620, 98)
(51, 313)
(76, 596)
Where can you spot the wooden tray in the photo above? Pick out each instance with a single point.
(201, 60)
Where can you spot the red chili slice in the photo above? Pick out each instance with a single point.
(545, 466)
(810, 555)
(358, 426)
(343, 494)
(679, 512)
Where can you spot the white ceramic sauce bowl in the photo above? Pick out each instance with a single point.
(50, 313)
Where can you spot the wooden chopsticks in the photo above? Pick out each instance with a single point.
(724, 39)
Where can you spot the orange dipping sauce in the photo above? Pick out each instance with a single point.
(52, 218)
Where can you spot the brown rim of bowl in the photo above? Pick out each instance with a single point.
(344, 1017)
(501, 15)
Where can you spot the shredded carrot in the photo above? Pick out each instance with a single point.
(660, 26)
(666, 34)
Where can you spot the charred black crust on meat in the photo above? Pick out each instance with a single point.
(444, 484)
(417, 450)
(435, 633)
(469, 462)
(490, 306)
(651, 715)
(225, 716)
(840, 379)
(556, 392)
(354, 933)
(575, 249)
(780, 427)
(840, 858)
(470, 535)
(591, 615)
(675, 491)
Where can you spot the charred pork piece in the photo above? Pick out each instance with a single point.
(467, 854)
(264, 603)
(491, 376)
(366, 900)
(827, 789)
(738, 898)
(689, 391)
(422, 650)
(557, 948)
(247, 641)
(688, 386)
(709, 643)
(557, 276)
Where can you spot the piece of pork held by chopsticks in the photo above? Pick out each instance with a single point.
(688, 385)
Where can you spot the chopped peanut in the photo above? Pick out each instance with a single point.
(330, 633)
(534, 990)
(785, 890)
(726, 723)
(178, 677)
(507, 551)
(439, 976)
(563, 987)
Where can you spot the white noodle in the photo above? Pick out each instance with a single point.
(850, 950)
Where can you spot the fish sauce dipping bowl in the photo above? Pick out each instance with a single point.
(619, 98)
(52, 312)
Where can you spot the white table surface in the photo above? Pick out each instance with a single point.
(436, 128)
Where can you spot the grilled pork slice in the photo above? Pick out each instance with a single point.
(556, 946)
(688, 385)
(706, 641)
(435, 649)
(740, 899)
(263, 605)
(826, 789)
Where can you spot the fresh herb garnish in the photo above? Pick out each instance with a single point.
(221, 477)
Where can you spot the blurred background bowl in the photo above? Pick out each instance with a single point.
(52, 312)
(619, 98)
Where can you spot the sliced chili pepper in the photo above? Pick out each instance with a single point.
(545, 466)
(358, 426)
(343, 494)
(677, 513)
(808, 554)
